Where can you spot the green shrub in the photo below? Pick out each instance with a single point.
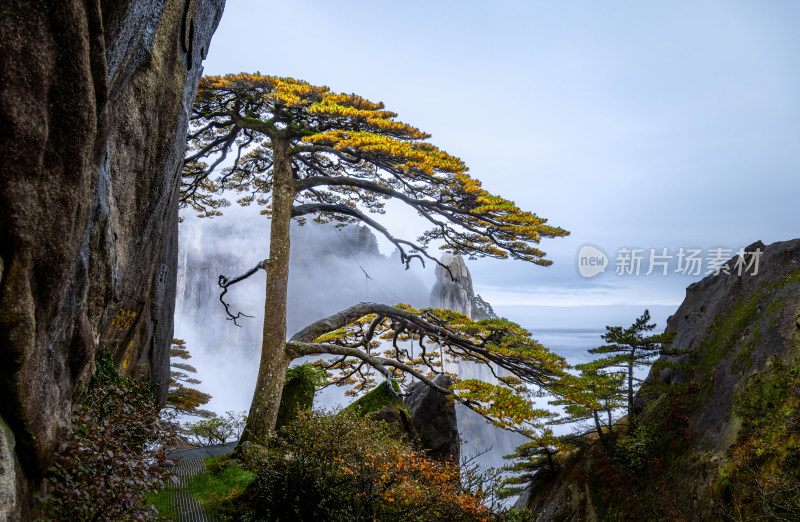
(345, 467)
(114, 455)
(300, 477)
(633, 449)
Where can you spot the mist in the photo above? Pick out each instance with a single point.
(332, 269)
(328, 272)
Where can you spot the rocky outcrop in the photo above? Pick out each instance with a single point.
(424, 415)
(731, 326)
(94, 101)
(481, 440)
(723, 397)
(360, 240)
(453, 287)
(434, 419)
(482, 309)
(453, 290)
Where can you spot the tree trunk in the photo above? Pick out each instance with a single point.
(597, 425)
(631, 420)
(274, 360)
(600, 434)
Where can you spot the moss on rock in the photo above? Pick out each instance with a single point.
(375, 400)
(298, 393)
(384, 405)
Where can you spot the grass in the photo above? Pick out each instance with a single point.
(218, 483)
(161, 500)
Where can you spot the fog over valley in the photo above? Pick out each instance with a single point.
(327, 275)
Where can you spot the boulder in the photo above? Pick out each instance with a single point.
(94, 103)
(298, 394)
(383, 405)
(434, 417)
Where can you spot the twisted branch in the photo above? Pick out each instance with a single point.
(225, 283)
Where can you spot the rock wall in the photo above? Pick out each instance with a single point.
(94, 101)
(731, 326)
(735, 331)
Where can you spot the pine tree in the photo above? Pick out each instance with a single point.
(534, 460)
(590, 396)
(182, 397)
(302, 150)
(628, 349)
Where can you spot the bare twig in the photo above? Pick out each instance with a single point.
(225, 283)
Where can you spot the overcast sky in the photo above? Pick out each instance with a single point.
(631, 124)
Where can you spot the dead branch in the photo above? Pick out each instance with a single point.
(225, 283)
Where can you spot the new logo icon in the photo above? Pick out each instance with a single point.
(591, 261)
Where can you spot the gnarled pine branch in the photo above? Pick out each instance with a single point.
(225, 283)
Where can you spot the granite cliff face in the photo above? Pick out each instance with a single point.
(94, 101)
(453, 288)
(721, 444)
